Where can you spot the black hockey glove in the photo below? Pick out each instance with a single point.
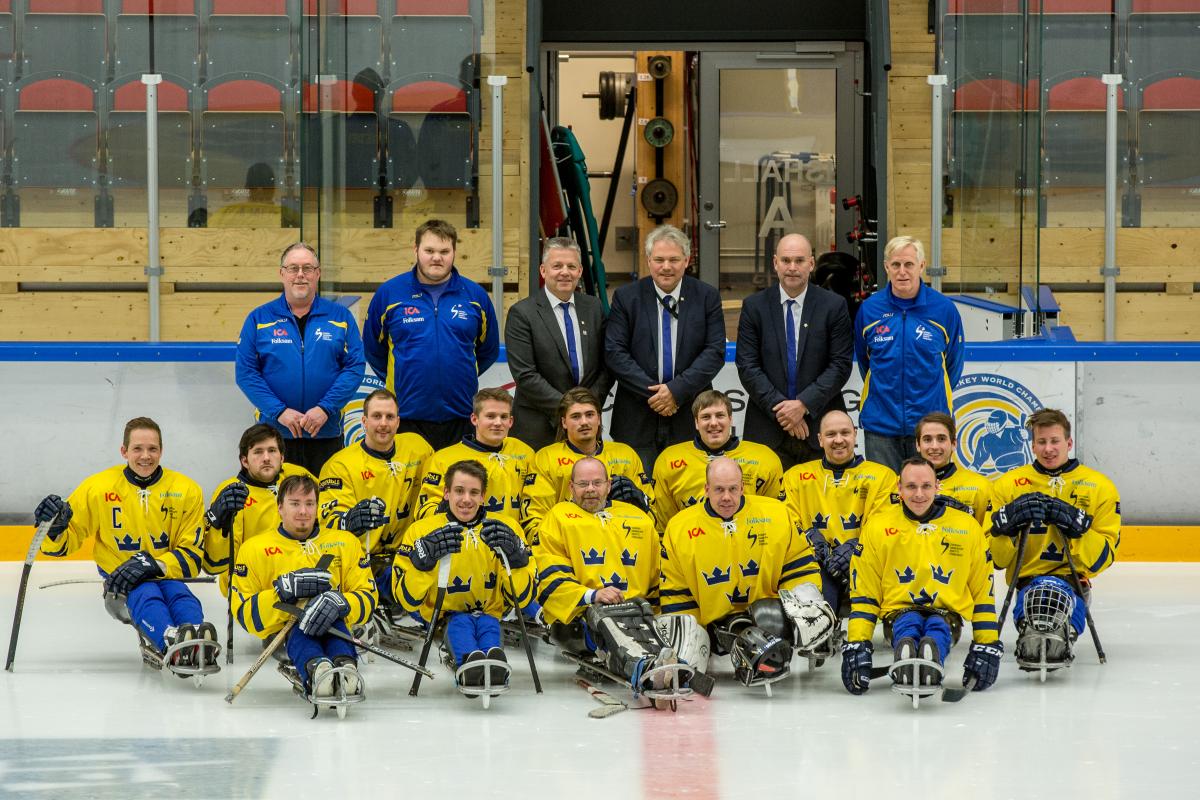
(820, 547)
(856, 666)
(983, 661)
(625, 491)
(1028, 509)
(228, 502)
(947, 501)
(838, 564)
(138, 568)
(54, 508)
(306, 582)
(430, 548)
(499, 537)
(366, 515)
(323, 612)
(1071, 521)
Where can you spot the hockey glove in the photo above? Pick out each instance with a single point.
(624, 491)
(947, 501)
(54, 508)
(856, 666)
(138, 568)
(983, 662)
(499, 537)
(1028, 509)
(1071, 521)
(323, 612)
(366, 515)
(820, 547)
(226, 505)
(307, 582)
(430, 548)
(838, 564)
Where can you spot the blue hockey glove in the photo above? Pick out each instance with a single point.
(983, 662)
(820, 547)
(367, 515)
(323, 612)
(624, 490)
(228, 502)
(54, 508)
(138, 568)
(499, 537)
(838, 564)
(1028, 509)
(430, 548)
(306, 582)
(856, 666)
(1071, 521)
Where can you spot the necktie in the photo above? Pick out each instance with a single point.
(572, 354)
(791, 350)
(668, 371)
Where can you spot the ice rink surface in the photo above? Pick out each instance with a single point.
(80, 717)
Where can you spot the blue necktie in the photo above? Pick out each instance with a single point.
(667, 369)
(791, 350)
(572, 354)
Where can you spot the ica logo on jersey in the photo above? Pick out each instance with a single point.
(273, 551)
(679, 463)
(112, 497)
(367, 475)
(694, 533)
(564, 461)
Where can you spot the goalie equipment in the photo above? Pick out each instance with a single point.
(1045, 640)
(813, 620)
(688, 638)
(917, 669)
(760, 658)
(631, 646)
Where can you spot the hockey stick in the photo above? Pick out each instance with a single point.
(296, 611)
(1087, 612)
(1022, 538)
(229, 598)
(200, 579)
(270, 649)
(443, 580)
(512, 587)
(609, 705)
(953, 695)
(34, 547)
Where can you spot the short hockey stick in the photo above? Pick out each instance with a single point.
(296, 611)
(34, 547)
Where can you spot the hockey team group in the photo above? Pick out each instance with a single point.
(644, 574)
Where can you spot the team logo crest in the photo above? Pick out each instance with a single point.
(352, 412)
(990, 411)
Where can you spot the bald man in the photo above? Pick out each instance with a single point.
(794, 353)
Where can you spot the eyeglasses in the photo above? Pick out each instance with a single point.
(590, 484)
(307, 269)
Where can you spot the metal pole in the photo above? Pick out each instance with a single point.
(937, 155)
(1110, 271)
(497, 270)
(154, 268)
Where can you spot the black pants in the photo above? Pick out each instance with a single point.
(438, 434)
(311, 453)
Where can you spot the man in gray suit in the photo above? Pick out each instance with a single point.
(555, 341)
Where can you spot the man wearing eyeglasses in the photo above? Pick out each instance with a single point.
(300, 360)
(664, 344)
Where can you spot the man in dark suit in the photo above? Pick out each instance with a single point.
(555, 342)
(664, 345)
(794, 352)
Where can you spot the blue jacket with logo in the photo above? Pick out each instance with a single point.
(910, 353)
(431, 353)
(277, 370)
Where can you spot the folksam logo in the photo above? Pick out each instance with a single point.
(990, 411)
(352, 412)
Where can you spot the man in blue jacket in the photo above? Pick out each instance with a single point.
(908, 339)
(300, 360)
(429, 334)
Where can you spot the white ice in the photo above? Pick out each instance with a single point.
(81, 717)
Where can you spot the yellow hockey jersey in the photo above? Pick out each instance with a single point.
(354, 474)
(550, 481)
(165, 519)
(263, 558)
(259, 515)
(942, 563)
(506, 468)
(1082, 487)
(966, 487)
(577, 551)
(837, 501)
(679, 474)
(712, 568)
(477, 578)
